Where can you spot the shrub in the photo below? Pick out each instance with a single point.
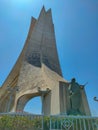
(18, 122)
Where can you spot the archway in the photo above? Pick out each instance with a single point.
(41, 105)
(28, 103)
(34, 106)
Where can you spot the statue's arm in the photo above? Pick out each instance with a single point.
(82, 86)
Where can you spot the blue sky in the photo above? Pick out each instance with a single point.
(76, 30)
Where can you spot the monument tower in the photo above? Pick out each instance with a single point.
(37, 72)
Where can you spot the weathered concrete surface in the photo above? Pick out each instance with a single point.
(38, 66)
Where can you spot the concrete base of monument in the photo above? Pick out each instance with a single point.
(75, 112)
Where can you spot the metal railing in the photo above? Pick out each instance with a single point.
(73, 123)
(52, 122)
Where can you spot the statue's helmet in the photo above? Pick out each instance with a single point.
(73, 80)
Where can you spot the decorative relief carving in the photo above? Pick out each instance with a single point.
(34, 59)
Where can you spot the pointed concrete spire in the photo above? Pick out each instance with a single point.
(43, 8)
(49, 11)
(42, 14)
(49, 16)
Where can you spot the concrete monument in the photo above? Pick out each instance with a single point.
(37, 72)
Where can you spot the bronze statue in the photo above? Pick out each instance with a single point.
(75, 97)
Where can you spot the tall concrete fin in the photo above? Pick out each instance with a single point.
(42, 43)
(35, 40)
(13, 75)
(49, 16)
(49, 49)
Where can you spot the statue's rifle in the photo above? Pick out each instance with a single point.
(85, 83)
(82, 86)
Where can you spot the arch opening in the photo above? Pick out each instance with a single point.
(33, 106)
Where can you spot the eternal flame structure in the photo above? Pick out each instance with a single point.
(37, 72)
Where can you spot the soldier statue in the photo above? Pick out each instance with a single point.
(75, 97)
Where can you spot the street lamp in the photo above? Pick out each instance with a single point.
(95, 99)
(11, 92)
